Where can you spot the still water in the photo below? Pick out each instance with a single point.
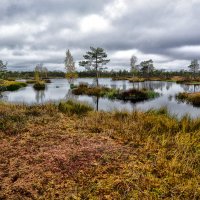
(59, 89)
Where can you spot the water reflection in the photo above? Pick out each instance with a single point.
(70, 96)
(152, 85)
(3, 97)
(40, 96)
(96, 102)
(191, 88)
(170, 97)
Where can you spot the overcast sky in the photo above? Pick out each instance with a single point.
(33, 31)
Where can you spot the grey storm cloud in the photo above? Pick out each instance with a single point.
(42, 30)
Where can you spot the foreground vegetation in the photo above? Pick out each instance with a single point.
(128, 95)
(6, 85)
(47, 152)
(193, 98)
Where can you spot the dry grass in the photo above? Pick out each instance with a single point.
(45, 154)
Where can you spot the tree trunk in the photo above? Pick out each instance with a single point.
(97, 77)
(97, 73)
(97, 106)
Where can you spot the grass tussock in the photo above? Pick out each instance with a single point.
(6, 85)
(49, 154)
(192, 98)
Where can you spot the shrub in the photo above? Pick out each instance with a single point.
(83, 89)
(71, 107)
(137, 95)
(40, 85)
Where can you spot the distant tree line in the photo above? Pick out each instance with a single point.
(105, 74)
(31, 74)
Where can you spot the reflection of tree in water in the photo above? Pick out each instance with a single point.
(70, 95)
(150, 85)
(94, 82)
(95, 100)
(124, 85)
(3, 97)
(39, 96)
(114, 86)
(191, 88)
(170, 97)
(168, 85)
(136, 85)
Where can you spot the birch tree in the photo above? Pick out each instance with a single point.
(194, 66)
(70, 67)
(3, 69)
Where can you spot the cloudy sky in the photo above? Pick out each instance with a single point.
(33, 31)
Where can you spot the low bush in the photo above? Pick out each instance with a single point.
(40, 85)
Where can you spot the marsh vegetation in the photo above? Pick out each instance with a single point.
(52, 152)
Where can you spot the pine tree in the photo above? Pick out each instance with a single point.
(95, 59)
